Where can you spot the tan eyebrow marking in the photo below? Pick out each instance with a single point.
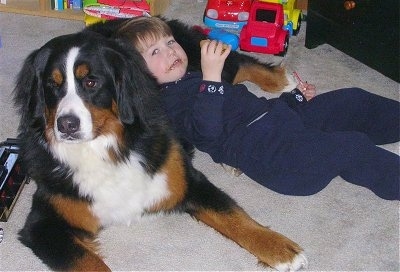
(81, 71)
(57, 76)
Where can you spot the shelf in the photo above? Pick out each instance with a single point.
(42, 8)
(39, 8)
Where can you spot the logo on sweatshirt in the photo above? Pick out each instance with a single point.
(299, 97)
(213, 89)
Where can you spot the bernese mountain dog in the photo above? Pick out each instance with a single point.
(96, 142)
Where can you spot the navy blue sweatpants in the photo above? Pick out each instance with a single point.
(299, 151)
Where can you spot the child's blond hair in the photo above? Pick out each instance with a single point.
(142, 32)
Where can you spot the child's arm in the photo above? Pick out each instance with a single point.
(204, 124)
(308, 90)
(300, 95)
(213, 56)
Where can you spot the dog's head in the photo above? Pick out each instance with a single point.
(79, 86)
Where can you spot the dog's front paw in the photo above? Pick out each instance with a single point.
(299, 262)
(277, 251)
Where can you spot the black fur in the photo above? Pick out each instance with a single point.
(146, 131)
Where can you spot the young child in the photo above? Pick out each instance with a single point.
(293, 148)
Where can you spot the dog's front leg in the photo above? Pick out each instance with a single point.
(210, 205)
(62, 232)
(89, 261)
(271, 248)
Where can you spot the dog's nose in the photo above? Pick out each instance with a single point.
(68, 124)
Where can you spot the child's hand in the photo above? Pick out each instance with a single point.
(308, 90)
(213, 56)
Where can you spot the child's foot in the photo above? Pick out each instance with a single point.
(234, 171)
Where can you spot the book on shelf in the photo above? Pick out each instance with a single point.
(77, 4)
(67, 4)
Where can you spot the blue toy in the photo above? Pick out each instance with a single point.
(221, 35)
(225, 37)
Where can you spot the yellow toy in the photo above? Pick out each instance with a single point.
(293, 16)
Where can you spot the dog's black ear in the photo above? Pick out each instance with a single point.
(135, 87)
(119, 67)
(28, 92)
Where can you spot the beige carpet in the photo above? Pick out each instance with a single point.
(344, 227)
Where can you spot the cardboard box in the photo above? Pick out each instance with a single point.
(157, 7)
(302, 4)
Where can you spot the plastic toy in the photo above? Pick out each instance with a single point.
(232, 14)
(221, 35)
(264, 31)
(293, 16)
(225, 37)
(112, 9)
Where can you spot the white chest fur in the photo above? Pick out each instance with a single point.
(120, 192)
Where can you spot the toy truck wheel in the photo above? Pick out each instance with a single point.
(296, 31)
(285, 47)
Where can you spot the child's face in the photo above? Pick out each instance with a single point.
(166, 60)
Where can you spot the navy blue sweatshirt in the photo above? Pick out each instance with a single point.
(211, 115)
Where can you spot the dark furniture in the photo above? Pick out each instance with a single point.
(367, 30)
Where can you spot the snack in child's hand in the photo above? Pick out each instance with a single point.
(224, 46)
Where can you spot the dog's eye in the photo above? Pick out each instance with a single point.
(90, 83)
(50, 83)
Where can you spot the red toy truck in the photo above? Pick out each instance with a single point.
(232, 14)
(264, 31)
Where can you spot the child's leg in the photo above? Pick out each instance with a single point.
(307, 161)
(354, 109)
(378, 170)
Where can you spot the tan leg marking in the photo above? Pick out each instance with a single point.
(270, 247)
(76, 212)
(90, 261)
